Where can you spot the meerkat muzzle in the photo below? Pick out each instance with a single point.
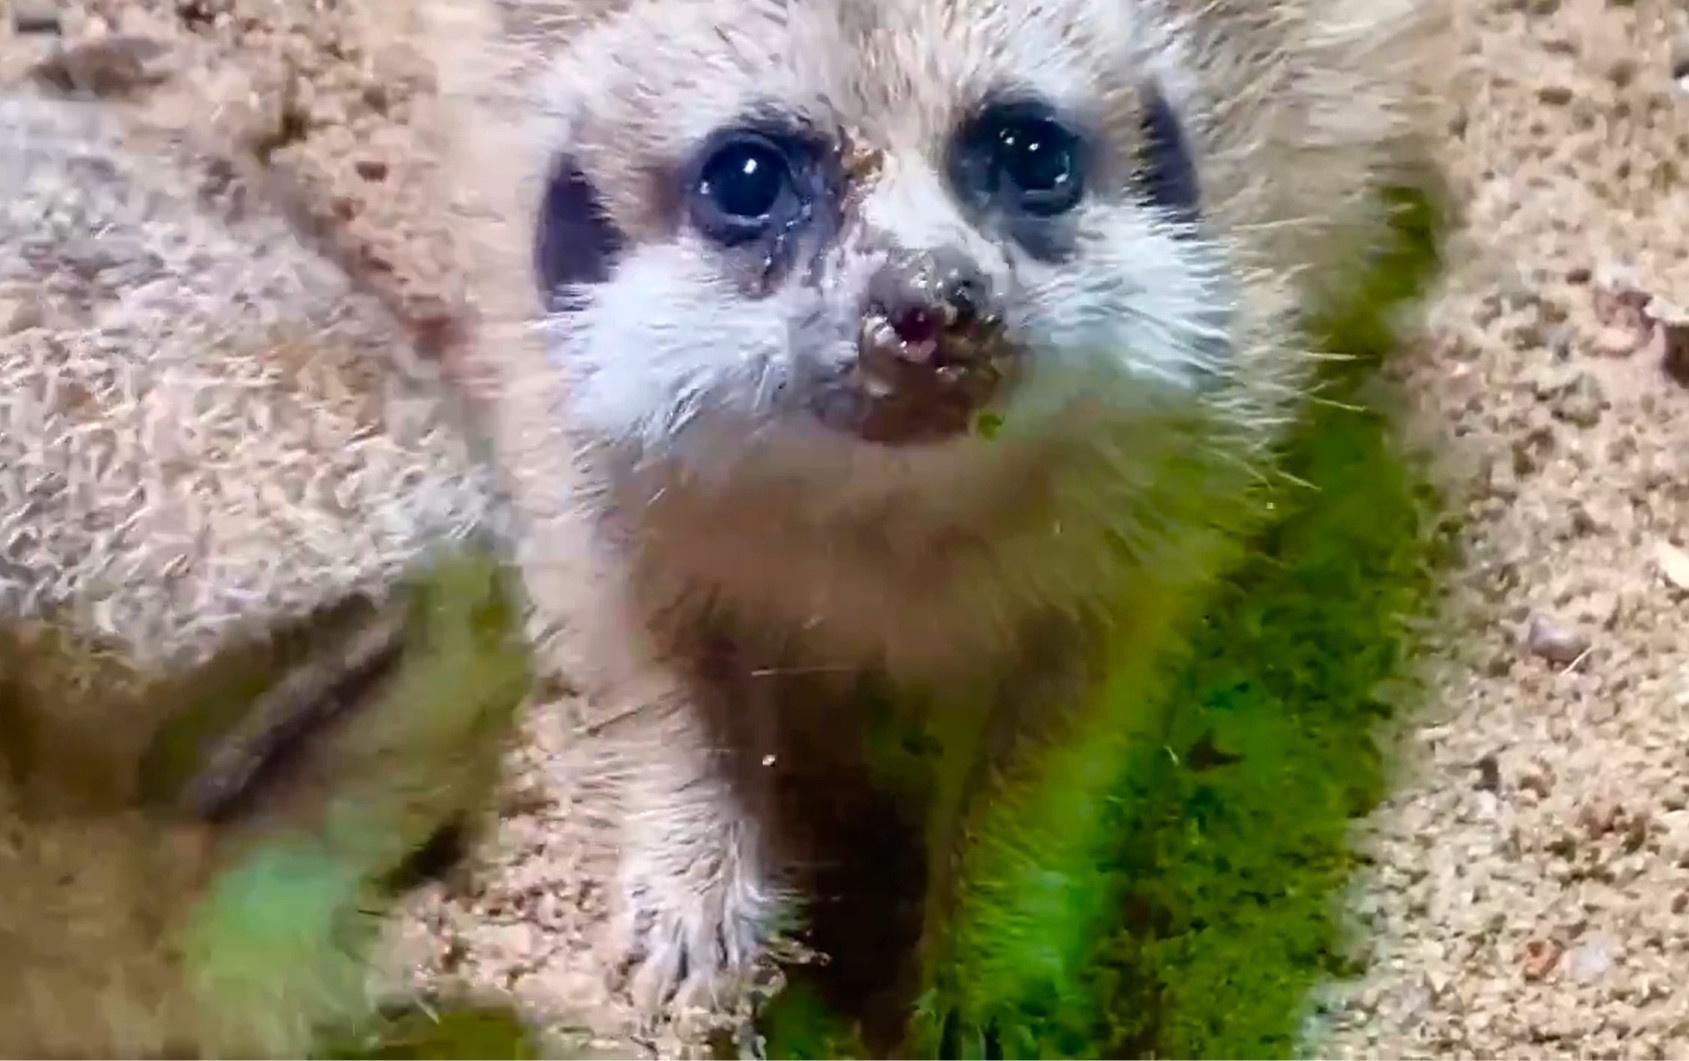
(930, 353)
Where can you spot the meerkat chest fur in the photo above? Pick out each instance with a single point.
(939, 580)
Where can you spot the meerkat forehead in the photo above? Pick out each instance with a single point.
(647, 84)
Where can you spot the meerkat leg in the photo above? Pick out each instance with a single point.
(699, 902)
(701, 898)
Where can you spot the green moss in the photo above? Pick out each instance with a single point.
(1273, 751)
(458, 1032)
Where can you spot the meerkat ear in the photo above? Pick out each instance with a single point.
(575, 240)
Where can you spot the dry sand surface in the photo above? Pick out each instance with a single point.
(1530, 890)
(1530, 893)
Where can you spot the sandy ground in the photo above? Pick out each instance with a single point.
(1530, 892)
(1529, 895)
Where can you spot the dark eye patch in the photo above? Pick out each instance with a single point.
(575, 241)
(1168, 175)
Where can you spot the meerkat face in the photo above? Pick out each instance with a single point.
(781, 234)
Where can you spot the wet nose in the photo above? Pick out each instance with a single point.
(927, 296)
(931, 354)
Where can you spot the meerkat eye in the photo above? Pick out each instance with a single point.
(1168, 175)
(745, 186)
(1021, 158)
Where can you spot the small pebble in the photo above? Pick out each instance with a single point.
(1537, 784)
(1589, 962)
(1555, 641)
(1581, 402)
(1489, 774)
(1616, 341)
(1539, 958)
(1673, 563)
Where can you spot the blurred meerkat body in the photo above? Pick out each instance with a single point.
(928, 344)
(217, 473)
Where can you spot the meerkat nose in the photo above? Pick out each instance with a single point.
(930, 354)
(928, 296)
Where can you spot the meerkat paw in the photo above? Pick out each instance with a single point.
(692, 933)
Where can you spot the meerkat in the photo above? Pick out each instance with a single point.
(254, 656)
(933, 347)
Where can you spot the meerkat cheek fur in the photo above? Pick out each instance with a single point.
(792, 258)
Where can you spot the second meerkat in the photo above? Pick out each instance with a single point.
(258, 653)
(928, 344)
